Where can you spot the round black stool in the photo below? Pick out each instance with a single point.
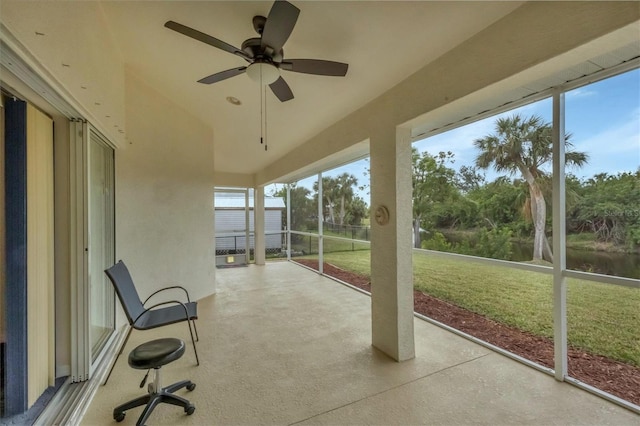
(153, 355)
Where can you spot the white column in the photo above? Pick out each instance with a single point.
(391, 263)
(288, 222)
(258, 218)
(320, 226)
(559, 241)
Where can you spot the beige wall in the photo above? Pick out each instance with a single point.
(234, 180)
(164, 195)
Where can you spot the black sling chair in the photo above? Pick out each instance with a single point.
(158, 315)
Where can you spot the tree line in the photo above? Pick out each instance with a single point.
(604, 209)
(340, 203)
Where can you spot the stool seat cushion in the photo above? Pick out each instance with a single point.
(156, 353)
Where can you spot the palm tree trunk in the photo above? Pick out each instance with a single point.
(330, 206)
(342, 212)
(416, 233)
(541, 248)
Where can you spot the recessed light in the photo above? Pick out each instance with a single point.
(233, 101)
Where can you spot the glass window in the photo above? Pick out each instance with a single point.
(101, 242)
(275, 218)
(603, 195)
(304, 249)
(345, 201)
(602, 336)
(304, 211)
(484, 189)
(507, 307)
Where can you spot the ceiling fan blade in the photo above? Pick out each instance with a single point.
(281, 89)
(205, 38)
(315, 66)
(280, 22)
(222, 75)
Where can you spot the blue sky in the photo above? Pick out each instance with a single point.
(603, 118)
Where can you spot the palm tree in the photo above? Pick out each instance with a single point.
(524, 145)
(337, 192)
(344, 191)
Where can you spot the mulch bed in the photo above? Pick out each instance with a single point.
(616, 378)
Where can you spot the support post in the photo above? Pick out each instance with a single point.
(320, 227)
(288, 222)
(259, 226)
(391, 249)
(559, 240)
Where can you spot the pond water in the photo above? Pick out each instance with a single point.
(618, 264)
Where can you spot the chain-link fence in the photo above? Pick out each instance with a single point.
(353, 232)
(231, 244)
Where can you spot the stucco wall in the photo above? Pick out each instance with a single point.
(164, 188)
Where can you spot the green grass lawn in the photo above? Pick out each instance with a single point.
(309, 244)
(601, 319)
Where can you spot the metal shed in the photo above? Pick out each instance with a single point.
(231, 210)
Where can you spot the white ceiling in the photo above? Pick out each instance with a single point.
(383, 43)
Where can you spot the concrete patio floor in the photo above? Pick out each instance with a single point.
(280, 344)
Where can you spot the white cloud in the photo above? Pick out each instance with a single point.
(581, 92)
(612, 150)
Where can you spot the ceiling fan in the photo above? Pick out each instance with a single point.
(264, 54)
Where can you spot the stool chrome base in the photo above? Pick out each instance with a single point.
(155, 397)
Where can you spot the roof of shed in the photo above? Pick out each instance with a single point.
(237, 201)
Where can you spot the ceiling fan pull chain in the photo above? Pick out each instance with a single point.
(266, 141)
(261, 112)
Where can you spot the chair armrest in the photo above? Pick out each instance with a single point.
(167, 288)
(173, 302)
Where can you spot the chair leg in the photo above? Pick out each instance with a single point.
(179, 385)
(141, 400)
(196, 330)
(118, 356)
(194, 342)
(152, 400)
(174, 400)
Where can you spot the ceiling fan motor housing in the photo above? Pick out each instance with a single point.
(252, 47)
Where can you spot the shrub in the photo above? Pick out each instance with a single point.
(437, 242)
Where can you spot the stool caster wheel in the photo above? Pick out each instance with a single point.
(189, 409)
(118, 417)
(191, 386)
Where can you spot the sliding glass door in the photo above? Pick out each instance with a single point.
(100, 205)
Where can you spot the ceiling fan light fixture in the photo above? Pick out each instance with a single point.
(263, 71)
